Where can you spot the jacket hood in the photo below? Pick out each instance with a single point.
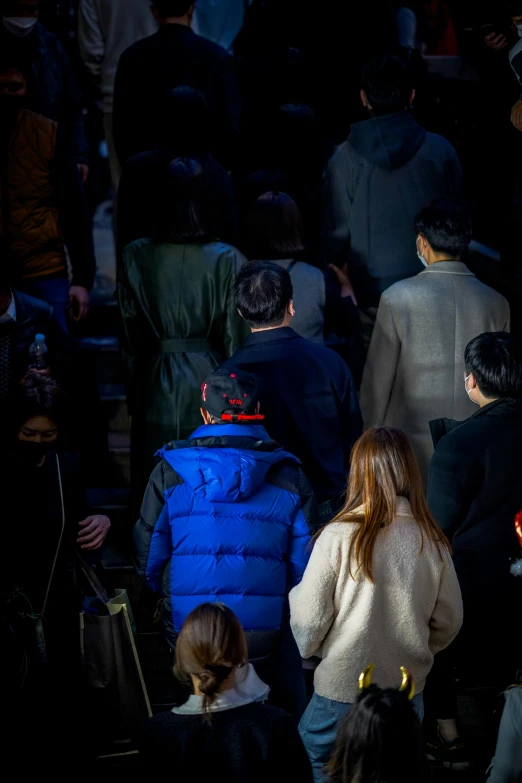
(389, 141)
(225, 463)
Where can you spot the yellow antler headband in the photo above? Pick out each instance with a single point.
(407, 684)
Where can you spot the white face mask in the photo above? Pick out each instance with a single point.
(21, 26)
(420, 256)
(468, 392)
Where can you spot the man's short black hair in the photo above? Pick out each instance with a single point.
(495, 360)
(175, 8)
(263, 291)
(446, 225)
(388, 83)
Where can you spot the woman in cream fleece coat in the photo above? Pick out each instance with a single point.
(380, 587)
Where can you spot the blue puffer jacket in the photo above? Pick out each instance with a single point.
(226, 516)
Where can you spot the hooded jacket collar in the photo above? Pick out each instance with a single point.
(388, 141)
(225, 463)
(248, 688)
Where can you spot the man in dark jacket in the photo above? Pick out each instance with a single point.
(378, 181)
(42, 204)
(306, 390)
(53, 91)
(173, 56)
(474, 492)
(227, 516)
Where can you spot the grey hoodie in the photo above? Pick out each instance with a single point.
(375, 185)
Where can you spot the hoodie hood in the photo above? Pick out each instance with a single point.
(388, 141)
(225, 463)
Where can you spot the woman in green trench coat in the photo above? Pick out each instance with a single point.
(178, 319)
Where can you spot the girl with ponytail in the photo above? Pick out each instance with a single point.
(225, 730)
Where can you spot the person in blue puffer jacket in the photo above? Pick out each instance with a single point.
(228, 516)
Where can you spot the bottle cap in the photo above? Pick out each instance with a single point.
(39, 338)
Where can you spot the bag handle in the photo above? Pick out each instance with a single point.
(92, 578)
(53, 568)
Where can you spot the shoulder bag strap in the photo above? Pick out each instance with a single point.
(62, 530)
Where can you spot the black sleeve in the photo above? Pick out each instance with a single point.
(308, 503)
(229, 108)
(73, 108)
(287, 757)
(350, 417)
(452, 485)
(341, 316)
(154, 519)
(75, 215)
(128, 118)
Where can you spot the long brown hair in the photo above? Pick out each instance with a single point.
(383, 467)
(211, 644)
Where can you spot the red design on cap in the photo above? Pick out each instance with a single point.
(233, 375)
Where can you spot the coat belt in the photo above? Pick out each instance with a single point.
(191, 345)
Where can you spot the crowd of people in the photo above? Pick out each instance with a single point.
(326, 402)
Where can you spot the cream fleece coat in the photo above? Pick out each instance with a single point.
(411, 611)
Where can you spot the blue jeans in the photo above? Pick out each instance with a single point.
(318, 729)
(54, 291)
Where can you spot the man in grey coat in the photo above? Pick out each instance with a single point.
(414, 371)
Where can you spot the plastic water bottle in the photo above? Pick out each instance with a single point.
(37, 351)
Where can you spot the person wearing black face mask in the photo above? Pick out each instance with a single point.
(54, 93)
(43, 501)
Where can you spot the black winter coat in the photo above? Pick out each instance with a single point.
(308, 398)
(254, 743)
(475, 480)
(474, 492)
(150, 68)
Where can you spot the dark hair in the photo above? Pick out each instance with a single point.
(12, 59)
(274, 228)
(37, 395)
(446, 226)
(210, 645)
(495, 360)
(183, 204)
(379, 741)
(388, 83)
(186, 122)
(263, 291)
(382, 468)
(175, 8)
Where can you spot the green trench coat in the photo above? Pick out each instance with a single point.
(178, 323)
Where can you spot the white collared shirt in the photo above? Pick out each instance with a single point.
(10, 313)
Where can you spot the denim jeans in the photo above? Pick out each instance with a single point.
(318, 729)
(54, 291)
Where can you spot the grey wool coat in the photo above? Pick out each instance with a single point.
(415, 366)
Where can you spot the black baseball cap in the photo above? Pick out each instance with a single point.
(230, 395)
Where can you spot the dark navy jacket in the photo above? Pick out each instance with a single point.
(309, 401)
(226, 516)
